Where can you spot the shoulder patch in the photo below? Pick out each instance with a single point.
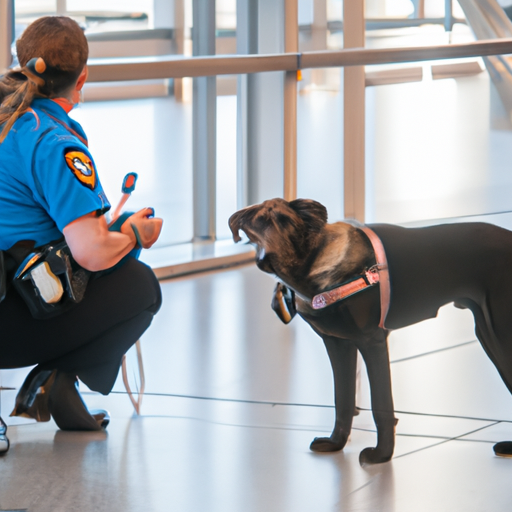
(82, 167)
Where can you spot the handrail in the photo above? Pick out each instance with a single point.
(357, 57)
(103, 70)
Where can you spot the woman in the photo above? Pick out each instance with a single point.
(53, 208)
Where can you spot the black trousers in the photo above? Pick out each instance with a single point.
(90, 339)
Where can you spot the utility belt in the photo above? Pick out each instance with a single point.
(48, 279)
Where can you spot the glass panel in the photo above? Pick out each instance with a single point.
(400, 23)
(94, 14)
(35, 8)
(226, 162)
(437, 149)
(152, 137)
(226, 120)
(320, 139)
(226, 15)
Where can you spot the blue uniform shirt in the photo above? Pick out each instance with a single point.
(47, 176)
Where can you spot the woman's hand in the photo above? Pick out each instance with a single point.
(144, 227)
(96, 248)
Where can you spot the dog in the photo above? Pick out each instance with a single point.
(353, 284)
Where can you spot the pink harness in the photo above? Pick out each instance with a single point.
(379, 273)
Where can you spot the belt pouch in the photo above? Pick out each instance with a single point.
(50, 281)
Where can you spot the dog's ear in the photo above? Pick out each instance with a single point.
(313, 213)
(238, 219)
(235, 225)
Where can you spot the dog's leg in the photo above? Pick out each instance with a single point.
(343, 356)
(499, 353)
(376, 357)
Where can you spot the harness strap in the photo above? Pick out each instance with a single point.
(382, 264)
(358, 284)
(379, 273)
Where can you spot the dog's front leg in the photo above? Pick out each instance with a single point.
(343, 356)
(376, 356)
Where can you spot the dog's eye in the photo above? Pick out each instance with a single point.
(283, 221)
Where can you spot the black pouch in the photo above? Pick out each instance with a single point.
(50, 281)
(283, 303)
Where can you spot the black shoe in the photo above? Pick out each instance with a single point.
(503, 449)
(32, 398)
(68, 408)
(4, 441)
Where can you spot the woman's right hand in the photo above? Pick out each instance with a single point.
(95, 247)
(143, 228)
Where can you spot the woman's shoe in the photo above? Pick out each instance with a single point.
(68, 408)
(32, 398)
(4, 441)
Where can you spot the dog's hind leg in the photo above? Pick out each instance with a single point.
(375, 354)
(490, 331)
(343, 356)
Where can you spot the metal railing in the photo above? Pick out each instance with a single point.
(143, 68)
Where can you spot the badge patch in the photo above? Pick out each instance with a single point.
(82, 167)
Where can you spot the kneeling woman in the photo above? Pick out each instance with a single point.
(77, 324)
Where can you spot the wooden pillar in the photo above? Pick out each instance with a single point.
(354, 114)
(179, 41)
(291, 45)
(6, 33)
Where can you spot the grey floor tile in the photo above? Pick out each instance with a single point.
(216, 457)
(459, 382)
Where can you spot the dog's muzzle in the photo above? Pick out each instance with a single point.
(262, 261)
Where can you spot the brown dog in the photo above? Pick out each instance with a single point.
(426, 268)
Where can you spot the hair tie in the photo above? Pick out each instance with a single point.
(35, 70)
(38, 65)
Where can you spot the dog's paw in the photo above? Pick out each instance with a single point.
(503, 449)
(327, 444)
(374, 456)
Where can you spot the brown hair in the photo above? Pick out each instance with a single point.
(60, 47)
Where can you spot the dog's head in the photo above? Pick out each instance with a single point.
(283, 232)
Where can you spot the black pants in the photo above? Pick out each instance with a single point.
(90, 339)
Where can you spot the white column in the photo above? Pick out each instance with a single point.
(246, 43)
(204, 124)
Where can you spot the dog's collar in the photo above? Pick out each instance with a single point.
(379, 273)
(355, 285)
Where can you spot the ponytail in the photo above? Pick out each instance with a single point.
(23, 91)
(62, 48)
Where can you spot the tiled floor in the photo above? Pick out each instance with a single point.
(234, 397)
(233, 400)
